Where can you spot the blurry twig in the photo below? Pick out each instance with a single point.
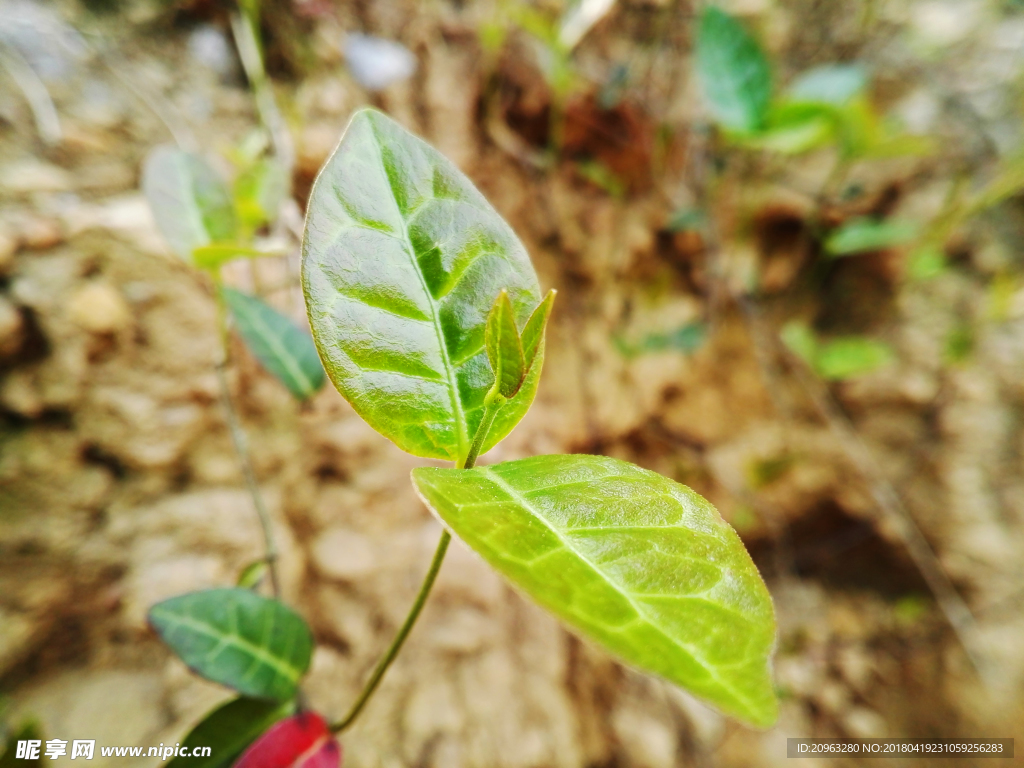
(36, 94)
(243, 27)
(240, 443)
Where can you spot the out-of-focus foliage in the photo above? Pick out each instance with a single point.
(865, 234)
(257, 646)
(836, 359)
(284, 349)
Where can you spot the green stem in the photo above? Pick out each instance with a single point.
(238, 439)
(491, 406)
(403, 633)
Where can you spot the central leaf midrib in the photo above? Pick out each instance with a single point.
(453, 389)
(639, 608)
(278, 665)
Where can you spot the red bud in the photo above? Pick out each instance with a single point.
(301, 741)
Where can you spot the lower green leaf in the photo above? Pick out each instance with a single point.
(253, 644)
(227, 731)
(282, 347)
(637, 562)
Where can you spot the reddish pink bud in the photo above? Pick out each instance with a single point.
(301, 741)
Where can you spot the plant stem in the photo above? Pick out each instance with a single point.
(244, 28)
(491, 406)
(490, 409)
(403, 633)
(241, 447)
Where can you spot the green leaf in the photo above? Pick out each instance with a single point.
(216, 255)
(795, 128)
(402, 261)
(866, 234)
(504, 350)
(257, 646)
(837, 359)
(834, 84)
(252, 574)
(282, 347)
(535, 328)
(636, 562)
(801, 341)
(733, 71)
(850, 356)
(259, 192)
(686, 338)
(926, 262)
(229, 729)
(189, 201)
(687, 220)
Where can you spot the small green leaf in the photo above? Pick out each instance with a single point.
(795, 128)
(836, 359)
(834, 84)
(850, 356)
(259, 192)
(687, 220)
(252, 574)
(228, 730)
(402, 260)
(504, 350)
(284, 349)
(801, 341)
(257, 646)
(216, 255)
(734, 73)
(189, 201)
(630, 559)
(866, 234)
(926, 262)
(535, 328)
(959, 344)
(686, 338)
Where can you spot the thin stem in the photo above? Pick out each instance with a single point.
(403, 633)
(490, 409)
(244, 29)
(35, 92)
(241, 448)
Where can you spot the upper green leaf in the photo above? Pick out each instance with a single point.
(229, 729)
(285, 350)
(734, 73)
(504, 350)
(190, 203)
(235, 637)
(637, 562)
(402, 261)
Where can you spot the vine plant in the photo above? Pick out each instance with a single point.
(428, 318)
